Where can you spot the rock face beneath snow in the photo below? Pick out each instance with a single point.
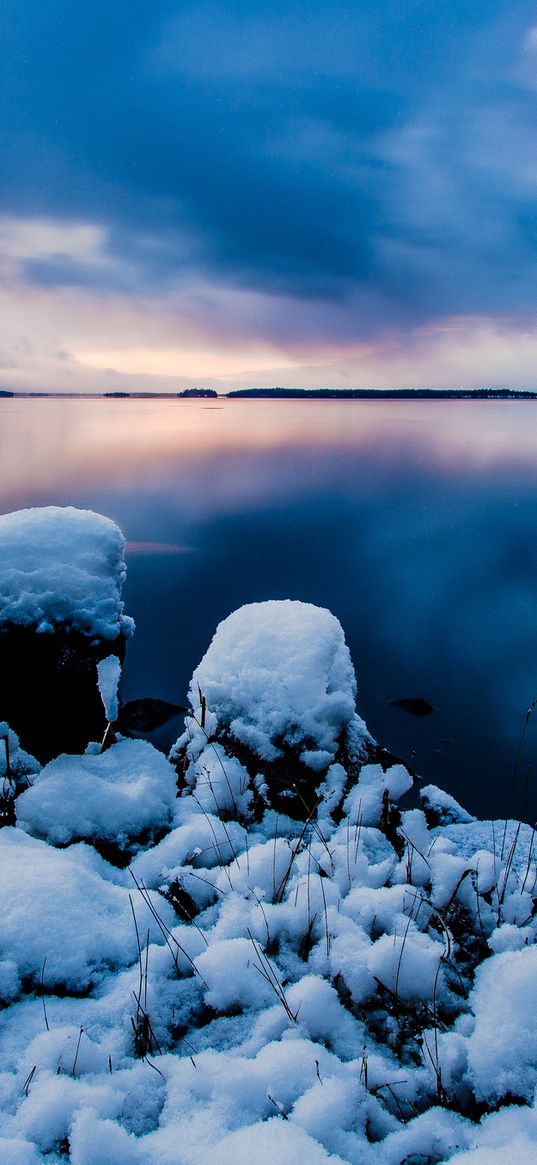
(273, 713)
(61, 573)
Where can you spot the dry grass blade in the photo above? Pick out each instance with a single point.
(528, 864)
(223, 865)
(279, 1107)
(515, 770)
(201, 724)
(77, 1050)
(28, 1081)
(268, 973)
(43, 993)
(9, 774)
(166, 933)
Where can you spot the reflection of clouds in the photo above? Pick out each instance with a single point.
(250, 450)
(140, 548)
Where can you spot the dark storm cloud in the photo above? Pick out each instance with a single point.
(371, 155)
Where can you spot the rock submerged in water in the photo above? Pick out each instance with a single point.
(414, 705)
(61, 574)
(147, 714)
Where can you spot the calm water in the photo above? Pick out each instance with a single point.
(415, 523)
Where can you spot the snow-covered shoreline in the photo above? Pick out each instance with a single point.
(253, 951)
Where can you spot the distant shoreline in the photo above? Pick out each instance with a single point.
(369, 394)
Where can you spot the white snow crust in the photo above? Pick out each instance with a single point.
(62, 567)
(344, 991)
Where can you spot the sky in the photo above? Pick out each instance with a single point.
(267, 193)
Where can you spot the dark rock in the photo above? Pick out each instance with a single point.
(48, 688)
(61, 574)
(414, 705)
(147, 714)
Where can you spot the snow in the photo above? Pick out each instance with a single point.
(22, 765)
(342, 989)
(277, 674)
(270, 1142)
(116, 796)
(108, 677)
(502, 1050)
(444, 806)
(62, 568)
(219, 782)
(61, 923)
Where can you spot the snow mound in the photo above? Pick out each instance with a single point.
(273, 722)
(62, 567)
(502, 1050)
(60, 921)
(114, 796)
(442, 808)
(279, 673)
(269, 1142)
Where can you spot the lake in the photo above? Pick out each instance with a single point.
(414, 522)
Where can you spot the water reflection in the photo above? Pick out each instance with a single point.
(414, 523)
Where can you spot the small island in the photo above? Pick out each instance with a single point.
(383, 393)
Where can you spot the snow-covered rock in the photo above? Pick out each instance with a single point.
(61, 613)
(62, 567)
(277, 688)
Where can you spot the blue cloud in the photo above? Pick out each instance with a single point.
(372, 156)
